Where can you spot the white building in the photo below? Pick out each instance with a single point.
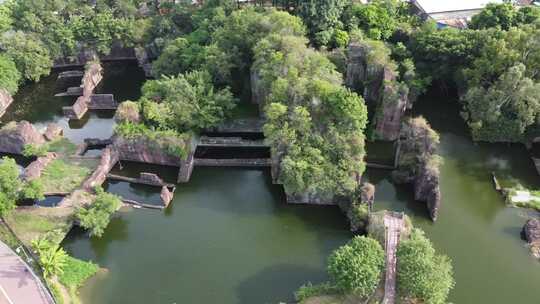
(454, 13)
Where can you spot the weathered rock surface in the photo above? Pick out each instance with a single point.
(418, 163)
(309, 198)
(144, 151)
(34, 170)
(93, 74)
(53, 131)
(367, 194)
(14, 136)
(531, 230)
(109, 158)
(150, 179)
(5, 100)
(166, 196)
(376, 80)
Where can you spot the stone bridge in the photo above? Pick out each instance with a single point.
(393, 224)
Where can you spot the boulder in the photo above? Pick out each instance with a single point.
(14, 136)
(150, 179)
(53, 131)
(367, 194)
(5, 100)
(34, 170)
(531, 230)
(166, 196)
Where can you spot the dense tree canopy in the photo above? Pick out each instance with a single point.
(504, 15)
(185, 103)
(321, 18)
(357, 266)
(421, 273)
(315, 126)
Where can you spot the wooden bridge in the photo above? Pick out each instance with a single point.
(393, 224)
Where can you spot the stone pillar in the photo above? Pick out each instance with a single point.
(186, 168)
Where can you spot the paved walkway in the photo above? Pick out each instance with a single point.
(18, 284)
(393, 227)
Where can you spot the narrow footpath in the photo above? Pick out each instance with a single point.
(393, 225)
(18, 284)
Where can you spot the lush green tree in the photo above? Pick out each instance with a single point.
(10, 185)
(504, 16)
(6, 20)
(493, 15)
(96, 216)
(357, 266)
(321, 18)
(186, 102)
(378, 19)
(504, 110)
(31, 57)
(421, 273)
(9, 75)
(101, 29)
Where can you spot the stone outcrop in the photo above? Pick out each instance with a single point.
(109, 158)
(53, 132)
(102, 102)
(5, 100)
(259, 92)
(150, 179)
(367, 194)
(166, 196)
(93, 74)
(418, 163)
(35, 168)
(145, 150)
(309, 198)
(14, 136)
(531, 231)
(371, 73)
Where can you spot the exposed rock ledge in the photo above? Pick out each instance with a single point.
(419, 164)
(5, 101)
(377, 81)
(531, 231)
(14, 136)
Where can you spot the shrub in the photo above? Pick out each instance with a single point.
(9, 185)
(97, 216)
(357, 266)
(52, 258)
(421, 273)
(31, 150)
(33, 190)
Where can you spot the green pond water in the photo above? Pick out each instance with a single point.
(228, 237)
(36, 102)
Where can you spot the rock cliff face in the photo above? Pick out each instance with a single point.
(531, 231)
(14, 136)
(258, 91)
(53, 132)
(5, 101)
(144, 151)
(377, 81)
(419, 164)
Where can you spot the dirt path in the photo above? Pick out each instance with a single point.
(393, 227)
(18, 284)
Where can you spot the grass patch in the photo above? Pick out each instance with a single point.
(76, 272)
(55, 290)
(31, 224)
(63, 146)
(63, 176)
(7, 237)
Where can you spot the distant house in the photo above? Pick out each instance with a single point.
(454, 13)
